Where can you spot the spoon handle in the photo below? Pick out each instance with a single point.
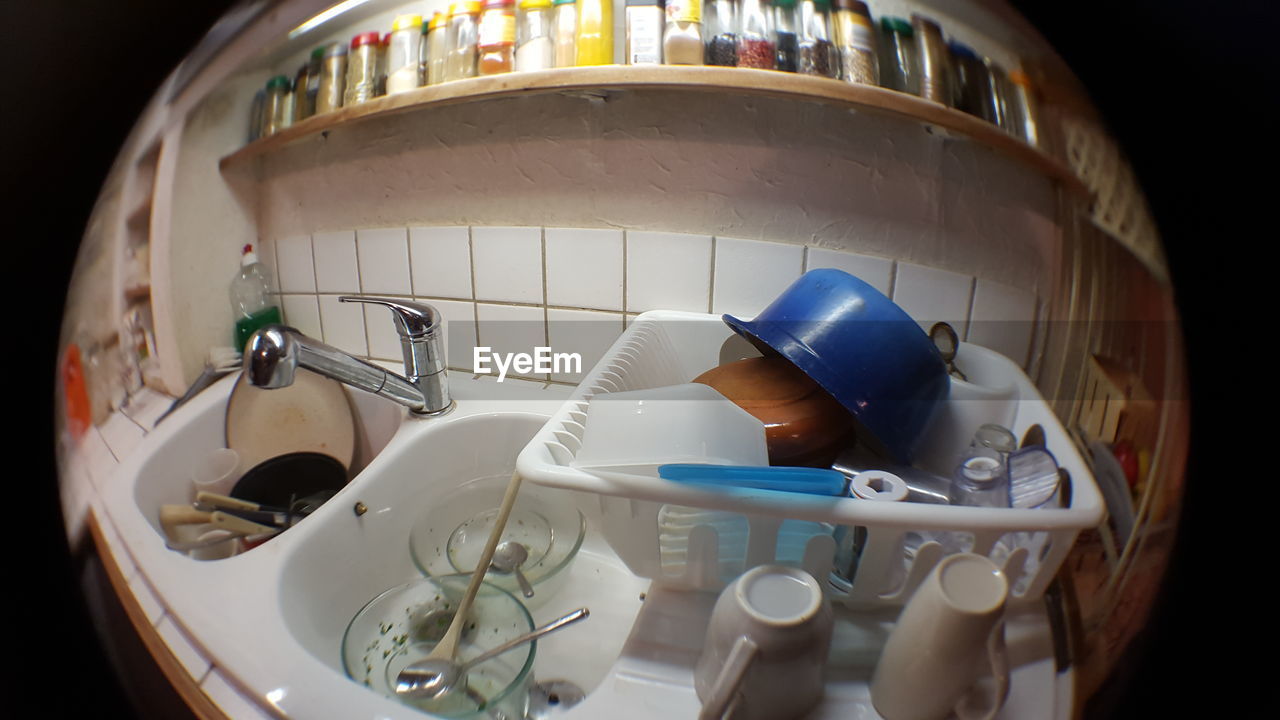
(550, 627)
(448, 645)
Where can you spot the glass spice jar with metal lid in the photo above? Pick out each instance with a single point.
(899, 64)
(535, 49)
(437, 47)
(643, 23)
(815, 53)
(682, 38)
(460, 62)
(333, 78)
(721, 24)
(404, 54)
(496, 38)
(784, 16)
(756, 47)
(935, 61)
(1022, 108)
(564, 31)
(855, 39)
(275, 108)
(362, 69)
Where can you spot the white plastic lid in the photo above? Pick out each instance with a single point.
(249, 257)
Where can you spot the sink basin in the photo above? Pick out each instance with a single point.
(347, 559)
(199, 427)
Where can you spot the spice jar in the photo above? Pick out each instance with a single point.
(298, 102)
(362, 69)
(423, 56)
(593, 42)
(534, 48)
(382, 64)
(257, 116)
(275, 107)
(333, 78)
(815, 53)
(1022, 107)
(564, 31)
(756, 48)
(463, 28)
(784, 18)
(644, 32)
(935, 66)
(404, 53)
(855, 40)
(496, 38)
(682, 40)
(721, 33)
(899, 65)
(998, 87)
(437, 47)
(973, 83)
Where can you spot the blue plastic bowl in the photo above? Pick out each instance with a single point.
(862, 349)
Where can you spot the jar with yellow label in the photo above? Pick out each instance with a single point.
(855, 39)
(496, 37)
(682, 41)
(593, 41)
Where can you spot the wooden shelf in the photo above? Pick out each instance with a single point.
(728, 81)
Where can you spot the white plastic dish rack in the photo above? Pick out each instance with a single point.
(663, 348)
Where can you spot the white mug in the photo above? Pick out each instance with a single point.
(216, 471)
(947, 637)
(766, 647)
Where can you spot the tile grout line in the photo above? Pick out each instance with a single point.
(546, 316)
(973, 294)
(475, 302)
(711, 286)
(364, 308)
(315, 285)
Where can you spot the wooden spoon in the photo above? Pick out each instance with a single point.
(448, 645)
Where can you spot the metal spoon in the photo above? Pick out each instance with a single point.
(432, 678)
(948, 343)
(508, 558)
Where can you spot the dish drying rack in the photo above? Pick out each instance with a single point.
(690, 537)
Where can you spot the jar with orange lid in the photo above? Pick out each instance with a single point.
(535, 49)
(362, 69)
(460, 61)
(496, 38)
(404, 53)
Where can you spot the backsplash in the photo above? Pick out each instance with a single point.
(574, 290)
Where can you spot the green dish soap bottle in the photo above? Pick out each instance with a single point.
(252, 298)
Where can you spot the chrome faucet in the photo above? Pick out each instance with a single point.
(275, 352)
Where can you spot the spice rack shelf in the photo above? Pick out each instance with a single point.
(727, 81)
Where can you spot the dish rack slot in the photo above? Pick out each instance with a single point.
(683, 536)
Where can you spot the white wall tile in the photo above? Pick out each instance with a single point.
(195, 663)
(876, 272)
(460, 331)
(1003, 319)
(584, 268)
(344, 325)
(589, 334)
(121, 434)
(440, 258)
(750, 274)
(384, 261)
(303, 313)
(336, 265)
(512, 329)
(668, 271)
(380, 328)
(295, 265)
(930, 295)
(508, 263)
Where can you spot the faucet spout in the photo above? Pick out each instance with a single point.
(275, 352)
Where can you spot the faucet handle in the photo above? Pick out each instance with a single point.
(413, 320)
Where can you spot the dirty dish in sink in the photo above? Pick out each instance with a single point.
(311, 415)
(546, 522)
(402, 625)
(281, 480)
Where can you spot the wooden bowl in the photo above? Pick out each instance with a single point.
(804, 425)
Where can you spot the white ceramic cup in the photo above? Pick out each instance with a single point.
(216, 471)
(766, 647)
(950, 634)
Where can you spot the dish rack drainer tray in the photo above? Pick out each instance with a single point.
(727, 533)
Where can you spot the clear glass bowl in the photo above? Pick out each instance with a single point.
(449, 537)
(403, 624)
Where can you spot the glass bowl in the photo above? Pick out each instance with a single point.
(449, 537)
(403, 624)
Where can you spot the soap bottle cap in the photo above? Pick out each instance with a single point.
(249, 258)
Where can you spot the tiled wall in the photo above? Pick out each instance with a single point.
(515, 288)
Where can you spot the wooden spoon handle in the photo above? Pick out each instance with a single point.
(447, 646)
